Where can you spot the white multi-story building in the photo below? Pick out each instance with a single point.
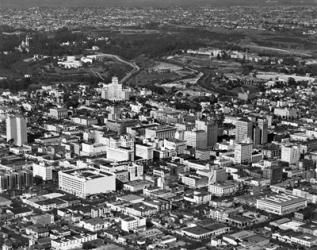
(120, 154)
(144, 151)
(129, 172)
(71, 242)
(94, 224)
(290, 153)
(196, 138)
(281, 204)
(310, 196)
(286, 112)
(129, 223)
(160, 132)
(84, 120)
(16, 130)
(114, 91)
(243, 152)
(42, 170)
(243, 130)
(91, 149)
(70, 63)
(174, 144)
(223, 189)
(58, 113)
(84, 181)
(194, 181)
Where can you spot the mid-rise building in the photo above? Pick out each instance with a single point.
(160, 132)
(243, 153)
(120, 154)
(217, 174)
(93, 149)
(290, 154)
(120, 125)
(84, 181)
(84, 120)
(125, 171)
(129, 223)
(243, 130)
(42, 170)
(196, 138)
(16, 130)
(15, 180)
(174, 144)
(58, 113)
(144, 151)
(194, 181)
(223, 189)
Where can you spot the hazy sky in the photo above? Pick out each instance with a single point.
(143, 3)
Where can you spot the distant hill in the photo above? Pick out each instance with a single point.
(147, 3)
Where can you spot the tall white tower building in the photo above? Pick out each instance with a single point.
(16, 130)
(114, 91)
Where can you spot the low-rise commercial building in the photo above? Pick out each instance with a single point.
(281, 204)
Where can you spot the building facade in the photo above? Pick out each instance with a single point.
(83, 182)
(16, 130)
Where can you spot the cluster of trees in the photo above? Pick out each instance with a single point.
(49, 44)
(212, 99)
(15, 85)
(9, 42)
(153, 45)
(188, 105)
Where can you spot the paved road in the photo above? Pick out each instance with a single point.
(135, 67)
(97, 74)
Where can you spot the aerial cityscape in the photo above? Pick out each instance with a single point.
(143, 124)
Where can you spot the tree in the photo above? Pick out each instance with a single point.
(291, 81)
(11, 141)
(38, 180)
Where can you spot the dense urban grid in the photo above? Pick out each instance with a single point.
(158, 128)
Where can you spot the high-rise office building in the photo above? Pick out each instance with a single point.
(243, 152)
(114, 91)
(263, 126)
(256, 136)
(260, 130)
(14, 180)
(244, 129)
(211, 128)
(16, 130)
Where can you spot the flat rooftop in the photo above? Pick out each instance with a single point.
(283, 199)
(86, 173)
(196, 230)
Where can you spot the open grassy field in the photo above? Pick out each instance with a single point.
(144, 78)
(280, 43)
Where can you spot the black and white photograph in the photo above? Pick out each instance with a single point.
(158, 124)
